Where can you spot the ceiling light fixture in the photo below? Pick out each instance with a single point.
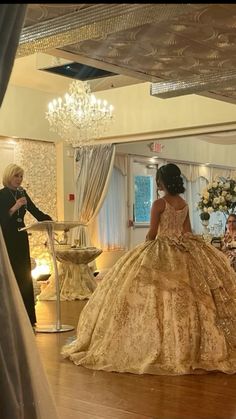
(80, 118)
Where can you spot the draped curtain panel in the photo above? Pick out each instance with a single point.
(11, 21)
(108, 229)
(112, 218)
(93, 169)
(192, 194)
(121, 163)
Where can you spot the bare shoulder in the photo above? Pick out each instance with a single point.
(159, 205)
(182, 200)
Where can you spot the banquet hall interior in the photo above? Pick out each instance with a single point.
(168, 72)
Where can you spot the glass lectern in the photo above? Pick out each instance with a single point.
(50, 227)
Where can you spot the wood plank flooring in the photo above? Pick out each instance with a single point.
(81, 393)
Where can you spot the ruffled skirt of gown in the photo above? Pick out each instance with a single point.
(166, 307)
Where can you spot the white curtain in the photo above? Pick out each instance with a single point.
(217, 220)
(112, 218)
(191, 195)
(93, 166)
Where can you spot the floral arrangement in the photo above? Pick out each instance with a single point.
(219, 195)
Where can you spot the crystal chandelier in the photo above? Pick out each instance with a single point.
(80, 118)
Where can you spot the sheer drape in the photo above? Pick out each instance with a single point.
(121, 163)
(193, 190)
(113, 214)
(93, 167)
(11, 22)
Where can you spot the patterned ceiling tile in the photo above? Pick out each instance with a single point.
(37, 13)
(175, 43)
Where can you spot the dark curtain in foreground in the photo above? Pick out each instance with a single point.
(11, 21)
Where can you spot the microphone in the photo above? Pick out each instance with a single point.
(22, 194)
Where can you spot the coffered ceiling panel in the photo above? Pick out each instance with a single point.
(181, 49)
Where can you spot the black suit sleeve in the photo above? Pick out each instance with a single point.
(31, 207)
(5, 205)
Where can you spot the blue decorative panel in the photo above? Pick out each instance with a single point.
(143, 187)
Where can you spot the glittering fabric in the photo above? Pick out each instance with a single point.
(166, 307)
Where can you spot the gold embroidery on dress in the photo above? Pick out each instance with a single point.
(166, 307)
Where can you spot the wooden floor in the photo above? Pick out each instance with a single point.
(81, 393)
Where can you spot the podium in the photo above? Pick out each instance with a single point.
(50, 227)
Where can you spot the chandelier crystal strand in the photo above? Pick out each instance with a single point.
(80, 117)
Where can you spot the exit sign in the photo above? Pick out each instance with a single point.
(156, 147)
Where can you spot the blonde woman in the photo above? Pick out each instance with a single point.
(14, 202)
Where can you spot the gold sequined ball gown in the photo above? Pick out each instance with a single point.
(166, 307)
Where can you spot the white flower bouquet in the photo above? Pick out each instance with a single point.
(219, 195)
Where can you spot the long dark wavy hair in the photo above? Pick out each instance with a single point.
(170, 176)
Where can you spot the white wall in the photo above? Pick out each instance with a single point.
(22, 114)
(193, 149)
(7, 152)
(137, 113)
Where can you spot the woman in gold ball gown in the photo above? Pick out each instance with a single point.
(166, 307)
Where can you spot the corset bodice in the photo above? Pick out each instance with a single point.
(172, 220)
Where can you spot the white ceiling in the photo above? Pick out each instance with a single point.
(26, 74)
